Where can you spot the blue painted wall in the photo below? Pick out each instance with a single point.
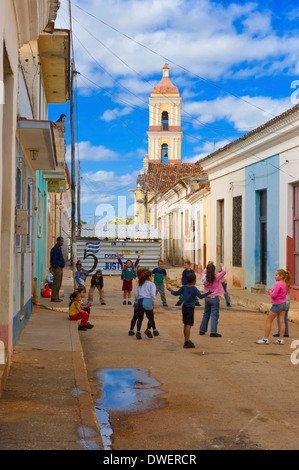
(40, 262)
(259, 176)
(18, 325)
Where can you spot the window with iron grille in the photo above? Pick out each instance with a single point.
(237, 231)
(296, 233)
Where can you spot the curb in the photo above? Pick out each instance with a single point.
(90, 431)
(262, 307)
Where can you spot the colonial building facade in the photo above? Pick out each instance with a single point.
(34, 71)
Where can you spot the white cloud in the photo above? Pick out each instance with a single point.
(96, 198)
(111, 114)
(200, 35)
(207, 148)
(103, 180)
(236, 111)
(92, 153)
(106, 187)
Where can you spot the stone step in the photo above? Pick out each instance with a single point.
(258, 289)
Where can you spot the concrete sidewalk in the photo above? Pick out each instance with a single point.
(47, 403)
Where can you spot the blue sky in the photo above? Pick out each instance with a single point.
(235, 63)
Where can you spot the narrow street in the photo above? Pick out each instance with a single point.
(227, 393)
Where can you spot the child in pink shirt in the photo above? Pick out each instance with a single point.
(279, 293)
(279, 305)
(212, 282)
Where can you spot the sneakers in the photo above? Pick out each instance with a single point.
(263, 341)
(82, 327)
(124, 302)
(129, 303)
(202, 333)
(103, 303)
(165, 305)
(148, 333)
(131, 333)
(266, 341)
(215, 335)
(189, 344)
(89, 326)
(178, 303)
(156, 333)
(138, 335)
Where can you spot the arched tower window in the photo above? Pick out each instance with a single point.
(164, 153)
(165, 121)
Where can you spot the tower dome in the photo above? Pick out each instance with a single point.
(165, 87)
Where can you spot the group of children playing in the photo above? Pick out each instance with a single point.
(150, 283)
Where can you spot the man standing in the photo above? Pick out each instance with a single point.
(57, 263)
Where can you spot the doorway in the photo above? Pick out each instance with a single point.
(263, 235)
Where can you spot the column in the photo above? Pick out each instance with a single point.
(171, 115)
(176, 115)
(156, 149)
(157, 114)
(151, 112)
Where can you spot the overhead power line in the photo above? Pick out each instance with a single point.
(199, 77)
(174, 63)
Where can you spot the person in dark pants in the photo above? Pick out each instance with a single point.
(57, 263)
(189, 293)
(145, 295)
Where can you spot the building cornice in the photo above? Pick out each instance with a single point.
(274, 132)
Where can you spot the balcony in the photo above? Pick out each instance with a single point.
(54, 53)
(57, 179)
(38, 143)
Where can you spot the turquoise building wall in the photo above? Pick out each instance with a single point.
(259, 176)
(40, 261)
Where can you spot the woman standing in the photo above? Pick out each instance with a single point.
(212, 282)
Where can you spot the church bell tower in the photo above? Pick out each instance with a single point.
(165, 135)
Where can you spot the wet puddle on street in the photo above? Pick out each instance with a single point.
(124, 390)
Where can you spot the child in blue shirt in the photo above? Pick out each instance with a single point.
(80, 275)
(185, 273)
(189, 293)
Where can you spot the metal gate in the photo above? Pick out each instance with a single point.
(96, 254)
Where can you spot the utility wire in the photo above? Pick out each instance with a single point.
(135, 71)
(190, 72)
(171, 61)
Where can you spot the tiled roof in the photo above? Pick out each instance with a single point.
(165, 87)
(161, 176)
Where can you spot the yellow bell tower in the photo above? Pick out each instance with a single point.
(165, 135)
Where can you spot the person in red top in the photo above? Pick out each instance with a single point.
(279, 305)
(127, 275)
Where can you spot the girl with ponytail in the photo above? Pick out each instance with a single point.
(145, 295)
(287, 279)
(279, 306)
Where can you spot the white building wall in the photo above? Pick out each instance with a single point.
(226, 188)
(289, 174)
